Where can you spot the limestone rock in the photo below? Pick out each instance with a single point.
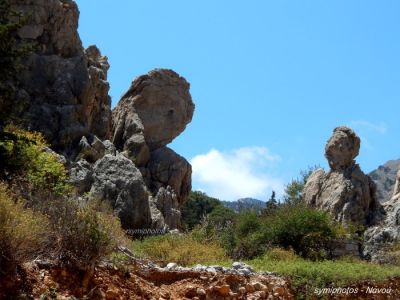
(128, 133)
(80, 176)
(64, 89)
(118, 181)
(170, 169)
(167, 203)
(342, 148)
(345, 191)
(379, 238)
(162, 102)
(385, 178)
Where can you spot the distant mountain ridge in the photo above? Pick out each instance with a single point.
(244, 204)
(385, 177)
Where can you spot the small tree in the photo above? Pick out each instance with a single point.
(271, 205)
(294, 190)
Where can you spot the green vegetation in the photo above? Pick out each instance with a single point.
(74, 232)
(291, 226)
(294, 190)
(23, 155)
(306, 275)
(196, 208)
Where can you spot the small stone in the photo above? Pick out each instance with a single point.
(223, 290)
(201, 292)
(237, 265)
(258, 286)
(279, 290)
(245, 271)
(211, 270)
(172, 266)
(249, 288)
(190, 291)
(112, 295)
(242, 290)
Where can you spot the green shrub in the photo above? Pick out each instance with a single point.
(304, 229)
(181, 249)
(196, 208)
(84, 233)
(23, 232)
(279, 254)
(305, 275)
(23, 155)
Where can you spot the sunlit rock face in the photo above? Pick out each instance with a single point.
(345, 191)
(156, 109)
(63, 91)
(379, 239)
(121, 156)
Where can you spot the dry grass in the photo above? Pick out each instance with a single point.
(181, 249)
(23, 232)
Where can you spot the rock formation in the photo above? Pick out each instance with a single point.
(63, 90)
(121, 156)
(379, 238)
(156, 109)
(385, 177)
(161, 100)
(345, 191)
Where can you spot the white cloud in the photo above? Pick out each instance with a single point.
(380, 128)
(236, 174)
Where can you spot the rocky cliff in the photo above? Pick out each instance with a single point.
(385, 177)
(118, 156)
(379, 239)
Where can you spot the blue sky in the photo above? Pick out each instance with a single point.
(270, 80)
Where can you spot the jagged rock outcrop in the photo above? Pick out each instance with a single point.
(165, 208)
(170, 169)
(379, 239)
(117, 157)
(345, 191)
(63, 91)
(117, 181)
(385, 177)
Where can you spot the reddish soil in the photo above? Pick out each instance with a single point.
(109, 283)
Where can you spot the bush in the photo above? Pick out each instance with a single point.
(84, 233)
(23, 155)
(196, 208)
(279, 254)
(23, 232)
(306, 230)
(181, 249)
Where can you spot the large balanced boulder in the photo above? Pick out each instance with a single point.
(63, 90)
(162, 101)
(345, 191)
(156, 109)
